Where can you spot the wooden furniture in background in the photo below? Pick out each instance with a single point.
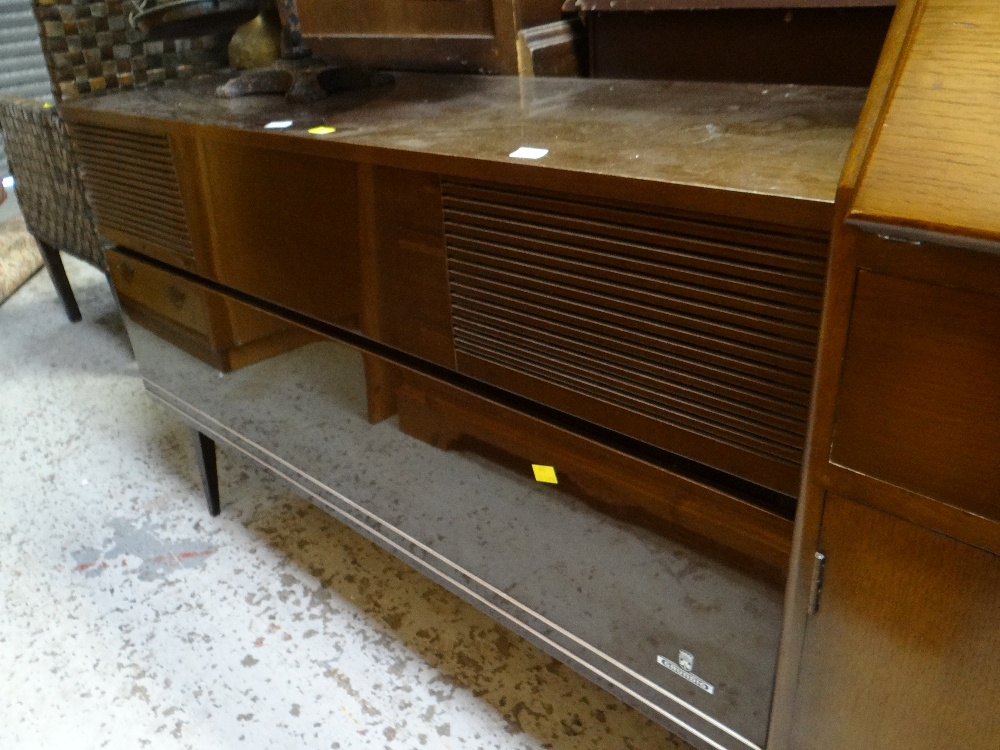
(891, 635)
(830, 42)
(445, 35)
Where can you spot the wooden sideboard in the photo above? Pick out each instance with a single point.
(672, 296)
(637, 313)
(637, 310)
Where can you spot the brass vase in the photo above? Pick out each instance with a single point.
(257, 43)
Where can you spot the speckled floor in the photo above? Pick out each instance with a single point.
(129, 618)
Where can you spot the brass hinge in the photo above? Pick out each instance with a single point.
(819, 566)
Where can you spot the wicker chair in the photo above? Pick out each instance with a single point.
(49, 190)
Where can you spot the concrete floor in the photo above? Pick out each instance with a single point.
(131, 619)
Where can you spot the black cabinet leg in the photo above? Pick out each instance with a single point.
(205, 452)
(54, 265)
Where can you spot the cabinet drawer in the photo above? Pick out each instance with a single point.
(920, 403)
(160, 293)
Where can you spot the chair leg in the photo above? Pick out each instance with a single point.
(54, 265)
(204, 448)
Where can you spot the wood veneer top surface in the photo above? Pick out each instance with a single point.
(772, 140)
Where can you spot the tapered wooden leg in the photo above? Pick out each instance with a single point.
(54, 265)
(205, 452)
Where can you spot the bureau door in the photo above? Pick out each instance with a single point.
(903, 652)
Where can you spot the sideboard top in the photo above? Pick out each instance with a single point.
(769, 140)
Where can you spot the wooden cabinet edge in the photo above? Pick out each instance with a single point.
(833, 334)
(797, 213)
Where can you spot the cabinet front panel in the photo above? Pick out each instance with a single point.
(904, 650)
(921, 385)
(284, 226)
(646, 612)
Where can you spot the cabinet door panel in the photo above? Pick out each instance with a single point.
(904, 651)
(920, 397)
(295, 245)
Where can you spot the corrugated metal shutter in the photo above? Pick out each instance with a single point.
(22, 65)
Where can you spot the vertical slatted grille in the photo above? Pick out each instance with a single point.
(132, 185)
(707, 327)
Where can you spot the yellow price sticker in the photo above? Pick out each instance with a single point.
(546, 474)
(322, 130)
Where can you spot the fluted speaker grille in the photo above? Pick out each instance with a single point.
(708, 328)
(132, 185)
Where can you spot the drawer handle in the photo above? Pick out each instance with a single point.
(176, 297)
(128, 272)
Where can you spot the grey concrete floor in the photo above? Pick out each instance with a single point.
(129, 618)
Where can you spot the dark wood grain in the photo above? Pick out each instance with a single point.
(395, 18)
(903, 652)
(380, 380)
(411, 264)
(706, 320)
(970, 528)
(553, 296)
(761, 154)
(920, 394)
(824, 681)
(620, 6)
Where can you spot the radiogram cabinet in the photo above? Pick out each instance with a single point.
(597, 367)
(634, 315)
